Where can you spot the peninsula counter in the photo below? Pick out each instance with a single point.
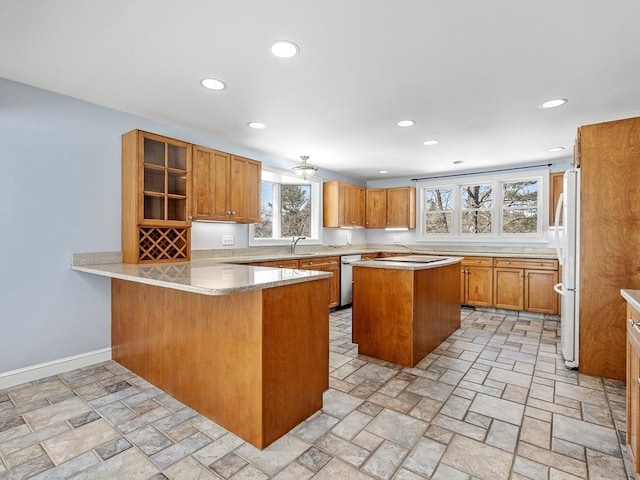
(248, 347)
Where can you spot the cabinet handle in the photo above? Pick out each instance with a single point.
(233, 213)
(478, 261)
(228, 212)
(540, 264)
(639, 381)
(633, 322)
(508, 263)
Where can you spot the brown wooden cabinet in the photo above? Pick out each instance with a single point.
(391, 207)
(343, 205)
(156, 188)
(226, 187)
(609, 238)
(376, 208)
(525, 284)
(326, 264)
(477, 281)
(555, 189)
(633, 387)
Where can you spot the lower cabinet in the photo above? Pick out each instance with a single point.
(326, 264)
(633, 387)
(477, 281)
(525, 284)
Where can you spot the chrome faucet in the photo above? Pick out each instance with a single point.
(294, 242)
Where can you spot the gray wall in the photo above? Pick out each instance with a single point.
(60, 194)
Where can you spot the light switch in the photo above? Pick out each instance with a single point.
(227, 239)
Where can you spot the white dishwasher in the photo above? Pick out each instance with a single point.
(346, 278)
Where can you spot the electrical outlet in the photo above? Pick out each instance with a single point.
(348, 238)
(397, 239)
(227, 239)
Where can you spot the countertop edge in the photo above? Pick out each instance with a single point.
(631, 296)
(391, 265)
(96, 270)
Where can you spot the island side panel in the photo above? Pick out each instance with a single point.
(295, 354)
(206, 351)
(383, 313)
(437, 308)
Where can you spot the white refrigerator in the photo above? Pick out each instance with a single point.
(569, 257)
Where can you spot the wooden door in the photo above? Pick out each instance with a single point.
(244, 190)
(358, 206)
(508, 288)
(479, 286)
(555, 189)
(376, 207)
(401, 207)
(210, 178)
(539, 295)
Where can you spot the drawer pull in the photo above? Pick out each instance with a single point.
(634, 323)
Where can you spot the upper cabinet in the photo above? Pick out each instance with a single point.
(343, 205)
(225, 187)
(401, 207)
(156, 188)
(555, 189)
(391, 207)
(376, 211)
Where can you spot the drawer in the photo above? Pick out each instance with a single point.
(368, 256)
(530, 263)
(318, 261)
(477, 261)
(280, 264)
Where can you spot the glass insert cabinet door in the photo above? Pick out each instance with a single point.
(165, 179)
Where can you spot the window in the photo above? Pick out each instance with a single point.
(439, 210)
(290, 207)
(501, 208)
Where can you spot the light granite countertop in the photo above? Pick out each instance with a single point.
(631, 296)
(204, 276)
(410, 262)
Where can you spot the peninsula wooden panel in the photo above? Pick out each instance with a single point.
(609, 240)
(402, 315)
(254, 362)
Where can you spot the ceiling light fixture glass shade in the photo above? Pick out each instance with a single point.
(284, 49)
(256, 125)
(428, 143)
(555, 149)
(405, 123)
(213, 84)
(305, 170)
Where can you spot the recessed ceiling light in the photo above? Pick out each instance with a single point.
(458, 162)
(257, 125)
(405, 123)
(555, 149)
(213, 84)
(430, 142)
(553, 103)
(284, 49)
(383, 171)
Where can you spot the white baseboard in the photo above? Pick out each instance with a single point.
(43, 370)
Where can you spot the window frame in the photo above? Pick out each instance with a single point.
(497, 180)
(316, 208)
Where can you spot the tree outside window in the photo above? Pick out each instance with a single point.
(520, 207)
(293, 202)
(476, 208)
(438, 210)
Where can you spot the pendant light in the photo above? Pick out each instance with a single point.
(305, 170)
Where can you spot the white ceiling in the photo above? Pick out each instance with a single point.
(471, 73)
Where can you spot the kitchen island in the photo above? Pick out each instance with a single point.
(248, 347)
(404, 307)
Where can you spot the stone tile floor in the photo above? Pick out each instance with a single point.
(494, 401)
